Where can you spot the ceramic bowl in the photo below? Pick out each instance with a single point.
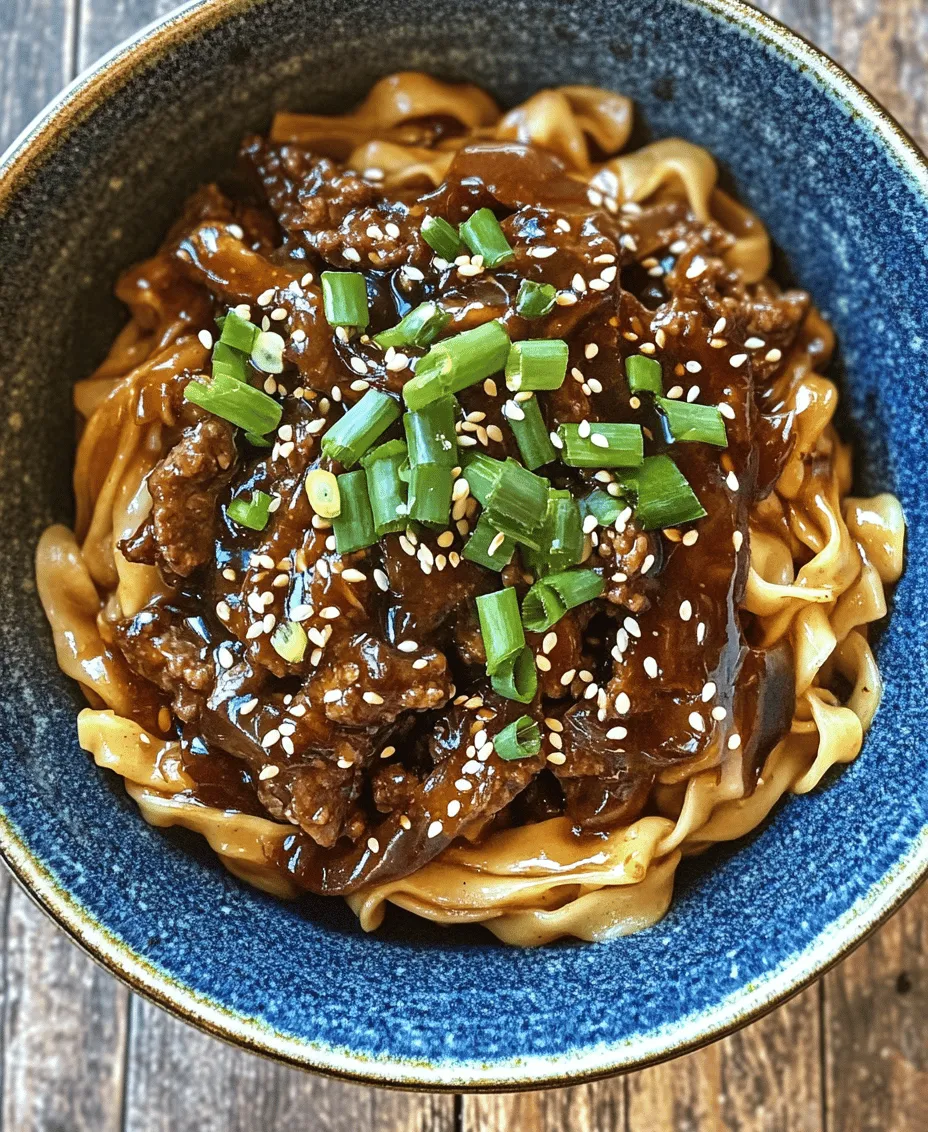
(91, 186)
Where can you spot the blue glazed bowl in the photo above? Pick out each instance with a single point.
(91, 186)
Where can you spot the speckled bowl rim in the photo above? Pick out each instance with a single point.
(104, 80)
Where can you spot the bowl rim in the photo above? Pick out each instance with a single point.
(25, 155)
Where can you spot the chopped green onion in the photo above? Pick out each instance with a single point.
(481, 473)
(561, 535)
(354, 524)
(344, 298)
(228, 362)
(701, 423)
(664, 496)
(268, 352)
(531, 433)
(418, 328)
(441, 237)
(289, 641)
(457, 363)
(605, 445)
(517, 678)
(535, 300)
(430, 433)
(253, 513)
(483, 235)
(430, 494)
(644, 374)
(385, 487)
(237, 402)
(484, 536)
(517, 503)
(538, 363)
(548, 600)
(257, 441)
(500, 627)
(351, 435)
(606, 508)
(322, 491)
(520, 739)
(237, 332)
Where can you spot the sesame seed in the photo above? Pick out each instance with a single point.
(700, 632)
(686, 610)
(542, 664)
(435, 829)
(590, 523)
(737, 539)
(225, 657)
(407, 646)
(675, 392)
(541, 252)
(332, 696)
(617, 733)
(387, 752)
(754, 343)
(719, 713)
(696, 721)
(270, 738)
(352, 255)
(279, 314)
(372, 698)
(463, 785)
(405, 822)
(568, 676)
(623, 703)
(650, 667)
(265, 297)
(557, 758)
(513, 411)
(708, 691)
(773, 355)
(206, 339)
(726, 410)
(692, 393)
(632, 626)
(420, 663)
(373, 844)
(734, 742)
(690, 538)
(454, 808)
(732, 480)
(268, 772)
(381, 580)
(330, 612)
(737, 360)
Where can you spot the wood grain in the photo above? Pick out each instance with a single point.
(849, 1055)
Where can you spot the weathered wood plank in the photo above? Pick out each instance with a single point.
(36, 55)
(104, 23)
(876, 1007)
(64, 1023)
(180, 1080)
(599, 1107)
(767, 1078)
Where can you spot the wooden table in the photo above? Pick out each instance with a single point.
(80, 1053)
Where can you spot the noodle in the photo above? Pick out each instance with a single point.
(819, 560)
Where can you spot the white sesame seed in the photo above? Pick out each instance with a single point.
(225, 657)
(434, 829)
(737, 539)
(719, 713)
(708, 691)
(352, 255)
(541, 252)
(372, 698)
(696, 721)
(463, 785)
(568, 676)
(754, 343)
(408, 646)
(270, 738)
(726, 410)
(421, 663)
(686, 610)
(381, 580)
(373, 844)
(617, 733)
(632, 626)
(623, 703)
(696, 267)
(737, 360)
(265, 297)
(773, 355)
(690, 538)
(650, 667)
(590, 523)
(734, 742)
(675, 392)
(700, 632)
(732, 480)
(558, 758)
(692, 393)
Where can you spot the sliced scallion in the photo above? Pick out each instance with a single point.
(441, 237)
(561, 535)
(481, 473)
(344, 298)
(252, 513)
(664, 496)
(500, 627)
(457, 363)
(430, 433)
(354, 524)
(644, 374)
(520, 739)
(322, 491)
(483, 537)
(385, 487)
(351, 435)
(605, 445)
(237, 402)
(531, 433)
(517, 678)
(430, 494)
(228, 362)
(606, 508)
(700, 423)
(268, 352)
(550, 598)
(517, 502)
(418, 328)
(289, 641)
(537, 363)
(535, 300)
(237, 332)
(483, 235)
